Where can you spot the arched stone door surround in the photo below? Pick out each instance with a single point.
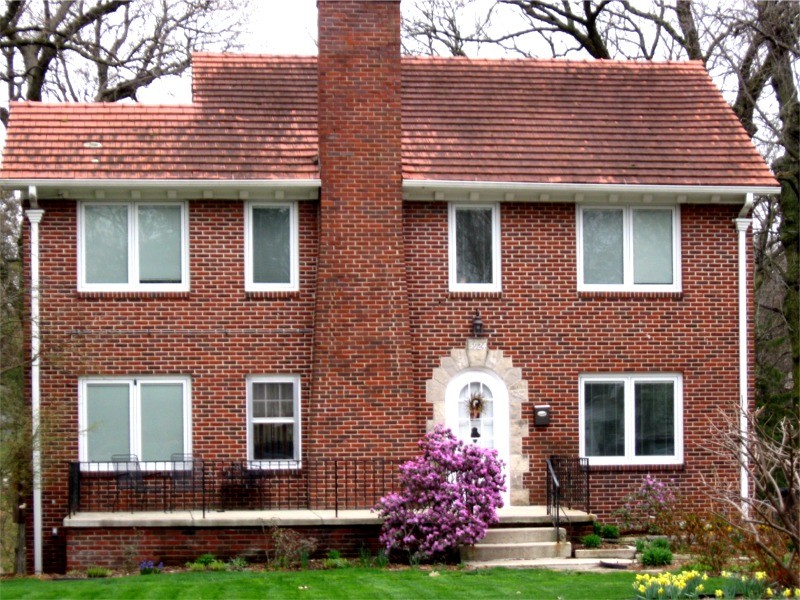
(478, 356)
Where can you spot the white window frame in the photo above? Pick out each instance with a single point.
(134, 403)
(495, 285)
(294, 249)
(629, 380)
(133, 284)
(627, 250)
(296, 421)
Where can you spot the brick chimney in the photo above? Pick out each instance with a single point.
(362, 396)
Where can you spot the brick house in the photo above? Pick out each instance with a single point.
(285, 283)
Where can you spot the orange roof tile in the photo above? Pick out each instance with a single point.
(532, 121)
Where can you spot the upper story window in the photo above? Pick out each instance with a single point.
(474, 248)
(629, 248)
(148, 417)
(271, 247)
(631, 419)
(136, 246)
(273, 419)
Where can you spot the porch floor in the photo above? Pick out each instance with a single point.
(532, 515)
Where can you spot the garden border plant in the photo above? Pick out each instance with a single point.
(449, 495)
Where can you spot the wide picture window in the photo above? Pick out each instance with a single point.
(146, 417)
(133, 246)
(628, 248)
(631, 419)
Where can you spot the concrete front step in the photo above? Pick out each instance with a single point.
(519, 551)
(627, 552)
(566, 564)
(518, 535)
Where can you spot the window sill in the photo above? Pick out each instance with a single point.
(274, 295)
(628, 295)
(636, 468)
(467, 295)
(131, 295)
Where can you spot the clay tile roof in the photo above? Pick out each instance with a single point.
(538, 121)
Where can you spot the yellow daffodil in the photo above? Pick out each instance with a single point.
(769, 593)
(719, 593)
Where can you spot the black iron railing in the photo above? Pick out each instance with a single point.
(567, 485)
(201, 485)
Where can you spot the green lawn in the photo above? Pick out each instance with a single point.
(339, 583)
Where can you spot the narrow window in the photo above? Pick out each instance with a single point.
(474, 248)
(274, 419)
(271, 247)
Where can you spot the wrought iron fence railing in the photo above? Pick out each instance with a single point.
(191, 483)
(567, 485)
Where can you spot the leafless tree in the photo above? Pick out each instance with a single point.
(77, 50)
(106, 50)
(769, 517)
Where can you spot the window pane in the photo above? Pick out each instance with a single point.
(273, 441)
(474, 245)
(602, 246)
(162, 420)
(108, 420)
(652, 246)
(106, 244)
(604, 427)
(655, 419)
(271, 245)
(160, 244)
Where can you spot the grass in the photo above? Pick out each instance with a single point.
(353, 582)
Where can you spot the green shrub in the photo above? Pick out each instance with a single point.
(205, 559)
(195, 566)
(592, 540)
(660, 543)
(609, 532)
(655, 556)
(237, 564)
(597, 526)
(640, 545)
(335, 560)
(93, 572)
(382, 559)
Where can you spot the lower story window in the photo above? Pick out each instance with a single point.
(148, 417)
(631, 419)
(273, 418)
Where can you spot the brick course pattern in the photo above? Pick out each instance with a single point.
(218, 334)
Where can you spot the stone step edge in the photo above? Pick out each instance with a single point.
(572, 564)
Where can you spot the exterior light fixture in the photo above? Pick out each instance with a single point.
(477, 324)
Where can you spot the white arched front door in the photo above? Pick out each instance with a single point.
(488, 426)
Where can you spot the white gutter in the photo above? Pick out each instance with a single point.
(35, 216)
(206, 184)
(742, 224)
(512, 186)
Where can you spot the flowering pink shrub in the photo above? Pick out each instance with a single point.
(650, 508)
(449, 496)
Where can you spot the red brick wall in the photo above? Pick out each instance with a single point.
(361, 343)
(218, 334)
(554, 333)
(126, 547)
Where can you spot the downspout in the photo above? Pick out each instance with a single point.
(34, 217)
(742, 224)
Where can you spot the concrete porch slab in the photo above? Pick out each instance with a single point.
(533, 515)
